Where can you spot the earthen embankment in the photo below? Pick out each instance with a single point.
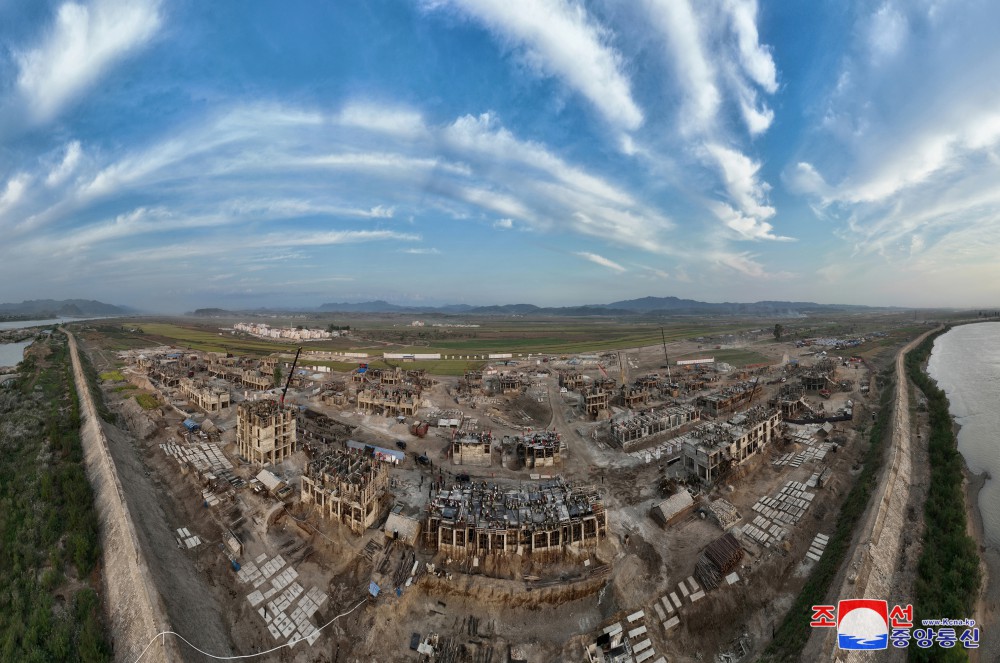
(132, 604)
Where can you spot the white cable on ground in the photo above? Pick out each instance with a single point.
(290, 643)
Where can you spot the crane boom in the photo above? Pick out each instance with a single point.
(666, 359)
(288, 380)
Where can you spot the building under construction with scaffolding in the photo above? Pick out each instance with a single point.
(347, 486)
(389, 401)
(472, 448)
(714, 449)
(265, 431)
(642, 427)
(539, 449)
(485, 518)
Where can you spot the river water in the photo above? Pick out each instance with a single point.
(966, 364)
(11, 354)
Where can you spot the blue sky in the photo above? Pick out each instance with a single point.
(183, 154)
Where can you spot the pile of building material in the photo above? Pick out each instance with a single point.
(778, 513)
(725, 513)
(720, 558)
(203, 457)
(817, 547)
(288, 608)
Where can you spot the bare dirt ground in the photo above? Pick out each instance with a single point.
(479, 612)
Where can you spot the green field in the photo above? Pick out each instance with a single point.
(738, 358)
(112, 376)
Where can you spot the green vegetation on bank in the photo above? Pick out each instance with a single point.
(147, 401)
(49, 610)
(948, 574)
(112, 376)
(93, 384)
(794, 630)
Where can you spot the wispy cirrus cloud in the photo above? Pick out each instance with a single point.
(602, 261)
(84, 41)
(560, 38)
(917, 163)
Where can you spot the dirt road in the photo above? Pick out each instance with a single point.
(132, 604)
(151, 565)
(871, 570)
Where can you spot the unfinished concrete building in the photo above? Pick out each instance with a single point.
(346, 486)
(816, 381)
(388, 401)
(208, 398)
(642, 427)
(713, 449)
(634, 396)
(472, 449)
(488, 519)
(571, 380)
(539, 449)
(265, 431)
(472, 383)
(729, 399)
(509, 383)
(595, 400)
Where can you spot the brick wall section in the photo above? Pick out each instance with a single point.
(132, 604)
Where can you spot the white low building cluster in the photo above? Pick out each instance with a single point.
(261, 330)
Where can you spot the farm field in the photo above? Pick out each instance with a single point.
(558, 336)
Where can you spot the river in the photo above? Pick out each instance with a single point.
(966, 364)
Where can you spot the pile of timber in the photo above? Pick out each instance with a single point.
(720, 558)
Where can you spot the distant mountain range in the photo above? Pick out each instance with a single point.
(67, 308)
(650, 306)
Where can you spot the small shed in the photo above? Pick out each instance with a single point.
(674, 508)
(402, 527)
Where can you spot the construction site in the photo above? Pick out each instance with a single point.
(630, 504)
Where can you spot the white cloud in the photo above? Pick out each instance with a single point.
(66, 167)
(484, 136)
(382, 212)
(747, 227)
(757, 120)
(804, 179)
(421, 252)
(14, 191)
(601, 260)
(754, 58)
(678, 23)
(84, 42)
(559, 38)
(373, 117)
(739, 174)
(888, 32)
(503, 224)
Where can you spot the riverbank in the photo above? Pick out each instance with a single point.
(988, 602)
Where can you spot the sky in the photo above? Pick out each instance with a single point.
(173, 155)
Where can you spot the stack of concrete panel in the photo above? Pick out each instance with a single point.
(817, 547)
